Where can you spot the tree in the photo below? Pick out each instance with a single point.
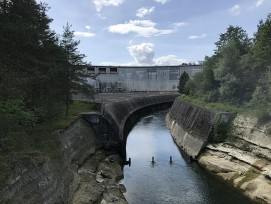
(262, 95)
(184, 78)
(75, 77)
(28, 68)
(261, 51)
(236, 35)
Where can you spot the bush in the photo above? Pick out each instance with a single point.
(221, 128)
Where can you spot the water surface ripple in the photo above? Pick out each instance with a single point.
(162, 182)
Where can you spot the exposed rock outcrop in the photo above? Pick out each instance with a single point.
(68, 178)
(244, 159)
(99, 176)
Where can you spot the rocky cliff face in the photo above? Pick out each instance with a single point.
(60, 180)
(244, 159)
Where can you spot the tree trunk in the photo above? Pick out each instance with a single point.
(67, 104)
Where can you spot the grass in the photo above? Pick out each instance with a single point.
(40, 141)
(62, 122)
(225, 107)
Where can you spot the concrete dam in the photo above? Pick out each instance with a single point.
(119, 113)
(139, 78)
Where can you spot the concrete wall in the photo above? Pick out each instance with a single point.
(190, 125)
(41, 179)
(120, 114)
(151, 78)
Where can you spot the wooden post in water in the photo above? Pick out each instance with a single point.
(170, 160)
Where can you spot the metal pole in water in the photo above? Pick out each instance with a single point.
(152, 159)
(170, 159)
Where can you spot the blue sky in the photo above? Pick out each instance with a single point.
(153, 32)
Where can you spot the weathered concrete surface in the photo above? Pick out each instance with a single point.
(78, 174)
(243, 160)
(139, 78)
(62, 179)
(118, 113)
(118, 110)
(51, 180)
(190, 125)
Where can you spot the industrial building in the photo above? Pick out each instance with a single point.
(139, 78)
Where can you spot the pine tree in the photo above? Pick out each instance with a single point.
(184, 78)
(75, 77)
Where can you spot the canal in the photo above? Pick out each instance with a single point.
(165, 182)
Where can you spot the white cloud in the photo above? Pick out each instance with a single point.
(144, 28)
(142, 53)
(84, 34)
(144, 11)
(169, 60)
(87, 27)
(195, 37)
(259, 2)
(180, 24)
(100, 16)
(162, 1)
(235, 10)
(103, 3)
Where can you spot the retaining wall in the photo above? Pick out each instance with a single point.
(191, 125)
(113, 125)
(42, 179)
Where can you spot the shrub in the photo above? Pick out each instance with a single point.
(221, 128)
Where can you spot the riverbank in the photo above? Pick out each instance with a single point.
(99, 178)
(244, 159)
(80, 172)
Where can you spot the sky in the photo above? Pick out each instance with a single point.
(153, 32)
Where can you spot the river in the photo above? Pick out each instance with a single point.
(163, 182)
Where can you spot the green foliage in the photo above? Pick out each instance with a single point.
(261, 50)
(37, 73)
(220, 129)
(226, 107)
(184, 78)
(238, 36)
(239, 71)
(261, 98)
(74, 72)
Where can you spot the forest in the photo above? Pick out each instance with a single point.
(39, 70)
(238, 73)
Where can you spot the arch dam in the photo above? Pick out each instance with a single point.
(118, 112)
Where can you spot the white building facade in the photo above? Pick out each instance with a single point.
(139, 78)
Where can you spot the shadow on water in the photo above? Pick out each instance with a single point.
(162, 181)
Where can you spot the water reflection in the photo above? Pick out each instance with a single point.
(161, 181)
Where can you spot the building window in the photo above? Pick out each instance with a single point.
(113, 70)
(91, 70)
(102, 70)
(173, 75)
